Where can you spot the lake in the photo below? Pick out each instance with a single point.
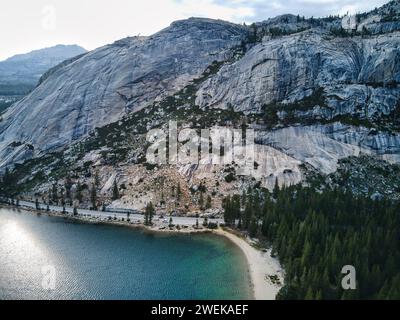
(44, 257)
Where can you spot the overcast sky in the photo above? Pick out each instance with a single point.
(27, 25)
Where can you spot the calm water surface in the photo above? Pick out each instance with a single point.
(111, 262)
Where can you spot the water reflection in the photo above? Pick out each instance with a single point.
(106, 262)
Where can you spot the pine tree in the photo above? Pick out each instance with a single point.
(248, 213)
(228, 212)
(62, 197)
(78, 195)
(253, 227)
(54, 194)
(236, 213)
(93, 197)
(115, 195)
(149, 213)
(394, 292)
(162, 198)
(178, 192)
(243, 199)
(276, 189)
(201, 201)
(309, 294)
(7, 182)
(97, 179)
(209, 202)
(68, 186)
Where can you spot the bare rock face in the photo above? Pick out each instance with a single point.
(315, 96)
(358, 78)
(103, 85)
(363, 101)
(321, 146)
(290, 67)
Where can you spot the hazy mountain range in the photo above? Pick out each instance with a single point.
(21, 73)
(28, 68)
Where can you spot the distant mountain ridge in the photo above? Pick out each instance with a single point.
(28, 68)
(21, 73)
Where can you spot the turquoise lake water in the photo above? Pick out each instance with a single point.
(86, 261)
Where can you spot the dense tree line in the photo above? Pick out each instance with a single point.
(314, 234)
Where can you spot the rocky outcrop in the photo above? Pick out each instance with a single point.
(291, 67)
(322, 146)
(362, 101)
(315, 95)
(103, 85)
(309, 146)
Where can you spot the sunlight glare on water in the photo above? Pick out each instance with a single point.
(110, 262)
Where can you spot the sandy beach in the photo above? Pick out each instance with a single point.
(261, 267)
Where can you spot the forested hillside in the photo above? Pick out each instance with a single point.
(315, 234)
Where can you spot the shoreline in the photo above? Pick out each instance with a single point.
(261, 266)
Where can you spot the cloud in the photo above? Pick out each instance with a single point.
(237, 10)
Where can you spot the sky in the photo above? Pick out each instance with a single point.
(27, 25)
